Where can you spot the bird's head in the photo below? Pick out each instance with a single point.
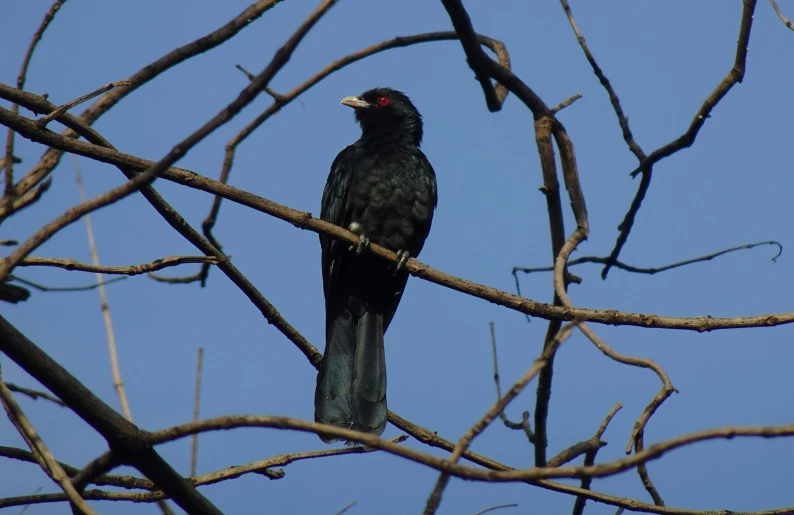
(386, 112)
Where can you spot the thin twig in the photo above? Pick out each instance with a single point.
(734, 76)
(196, 404)
(655, 270)
(118, 383)
(25, 507)
(21, 78)
(443, 479)
(157, 264)
(79, 100)
(785, 20)
(628, 137)
(497, 507)
(42, 287)
(565, 103)
(40, 450)
(589, 460)
(507, 422)
(11, 204)
(52, 156)
(35, 394)
(176, 280)
(343, 510)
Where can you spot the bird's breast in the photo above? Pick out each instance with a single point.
(393, 204)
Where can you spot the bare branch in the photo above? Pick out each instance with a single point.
(121, 435)
(176, 280)
(40, 450)
(524, 424)
(118, 383)
(35, 394)
(463, 444)
(79, 100)
(343, 510)
(780, 15)
(628, 137)
(11, 204)
(565, 103)
(10, 191)
(42, 287)
(653, 452)
(157, 264)
(196, 404)
(494, 94)
(734, 76)
(656, 270)
(589, 459)
(144, 75)
(497, 507)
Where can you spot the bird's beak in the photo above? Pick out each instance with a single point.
(355, 102)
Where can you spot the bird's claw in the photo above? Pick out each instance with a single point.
(402, 257)
(363, 243)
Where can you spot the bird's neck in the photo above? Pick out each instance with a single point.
(385, 137)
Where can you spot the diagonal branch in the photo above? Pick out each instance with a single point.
(35, 394)
(79, 100)
(623, 120)
(43, 456)
(123, 437)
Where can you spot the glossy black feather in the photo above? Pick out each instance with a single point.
(384, 185)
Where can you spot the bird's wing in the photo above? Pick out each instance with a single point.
(335, 209)
(429, 175)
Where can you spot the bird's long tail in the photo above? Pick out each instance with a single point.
(351, 382)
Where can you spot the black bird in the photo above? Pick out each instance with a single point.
(383, 188)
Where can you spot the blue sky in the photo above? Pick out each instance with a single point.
(663, 58)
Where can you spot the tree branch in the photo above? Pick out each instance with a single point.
(734, 76)
(39, 450)
(147, 73)
(499, 407)
(10, 191)
(125, 439)
(157, 264)
(655, 270)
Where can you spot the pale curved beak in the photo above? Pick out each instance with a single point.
(355, 102)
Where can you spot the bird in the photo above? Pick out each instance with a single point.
(383, 188)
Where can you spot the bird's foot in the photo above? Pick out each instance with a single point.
(363, 243)
(402, 257)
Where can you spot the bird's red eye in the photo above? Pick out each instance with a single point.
(383, 101)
